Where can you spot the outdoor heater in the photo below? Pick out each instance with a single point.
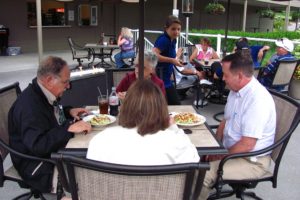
(187, 10)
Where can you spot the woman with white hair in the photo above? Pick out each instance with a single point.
(125, 42)
(150, 62)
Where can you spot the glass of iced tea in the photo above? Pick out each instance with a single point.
(103, 104)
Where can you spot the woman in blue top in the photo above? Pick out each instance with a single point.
(165, 49)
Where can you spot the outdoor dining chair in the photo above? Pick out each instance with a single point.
(283, 74)
(79, 53)
(115, 75)
(89, 179)
(8, 95)
(288, 117)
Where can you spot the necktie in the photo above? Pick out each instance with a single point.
(58, 109)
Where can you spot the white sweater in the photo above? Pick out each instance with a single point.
(125, 146)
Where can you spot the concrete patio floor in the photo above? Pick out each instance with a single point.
(22, 68)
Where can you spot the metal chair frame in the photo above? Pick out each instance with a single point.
(240, 186)
(194, 173)
(5, 149)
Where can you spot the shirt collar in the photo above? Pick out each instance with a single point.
(50, 97)
(245, 89)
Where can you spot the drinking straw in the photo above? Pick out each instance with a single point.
(99, 91)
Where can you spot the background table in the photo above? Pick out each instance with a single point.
(98, 52)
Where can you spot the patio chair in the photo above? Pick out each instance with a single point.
(89, 179)
(115, 75)
(288, 117)
(283, 74)
(8, 95)
(79, 53)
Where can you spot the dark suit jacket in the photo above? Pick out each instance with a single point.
(33, 130)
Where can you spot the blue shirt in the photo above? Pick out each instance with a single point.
(168, 49)
(270, 70)
(254, 53)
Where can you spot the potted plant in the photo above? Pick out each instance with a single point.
(294, 87)
(267, 13)
(215, 8)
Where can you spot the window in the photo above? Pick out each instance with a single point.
(87, 15)
(53, 13)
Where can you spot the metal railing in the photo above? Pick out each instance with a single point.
(182, 40)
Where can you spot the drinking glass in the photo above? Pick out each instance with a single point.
(103, 104)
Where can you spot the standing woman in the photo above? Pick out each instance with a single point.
(165, 49)
(125, 42)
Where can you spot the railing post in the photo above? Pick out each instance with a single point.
(219, 42)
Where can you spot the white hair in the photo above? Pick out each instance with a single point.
(150, 57)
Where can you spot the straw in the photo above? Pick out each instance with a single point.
(99, 91)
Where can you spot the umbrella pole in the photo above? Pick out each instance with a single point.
(226, 29)
(141, 39)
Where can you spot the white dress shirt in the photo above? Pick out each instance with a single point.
(125, 146)
(250, 112)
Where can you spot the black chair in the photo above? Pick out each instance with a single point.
(288, 118)
(79, 53)
(89, 179)
(8, 95)
(115, 75)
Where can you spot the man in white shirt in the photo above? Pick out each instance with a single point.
(249, 123)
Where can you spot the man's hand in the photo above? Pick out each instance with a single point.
(79, 127)
(76, 112)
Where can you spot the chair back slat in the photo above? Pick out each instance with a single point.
(8, 96)
(89, 179)
(284, 72)
(286, 113)
(101, 185)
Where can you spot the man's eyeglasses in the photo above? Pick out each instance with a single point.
(65, 82)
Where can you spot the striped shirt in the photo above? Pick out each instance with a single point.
(270, 70)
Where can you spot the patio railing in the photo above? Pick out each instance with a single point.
(182, 41)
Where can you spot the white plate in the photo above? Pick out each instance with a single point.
(90, 117)
(202, 120)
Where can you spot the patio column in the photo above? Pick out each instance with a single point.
(287, 14)
(245, 15)
(39, 29)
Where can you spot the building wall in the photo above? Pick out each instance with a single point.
(111, 16)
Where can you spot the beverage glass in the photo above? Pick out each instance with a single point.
(103, 104)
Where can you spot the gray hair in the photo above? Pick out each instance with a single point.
(51, 66)
(150, 57)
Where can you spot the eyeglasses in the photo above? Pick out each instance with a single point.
(65, 82)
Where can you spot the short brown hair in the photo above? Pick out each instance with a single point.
(205, 41)
(144, 107)
(171, 20)
(240, 61)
